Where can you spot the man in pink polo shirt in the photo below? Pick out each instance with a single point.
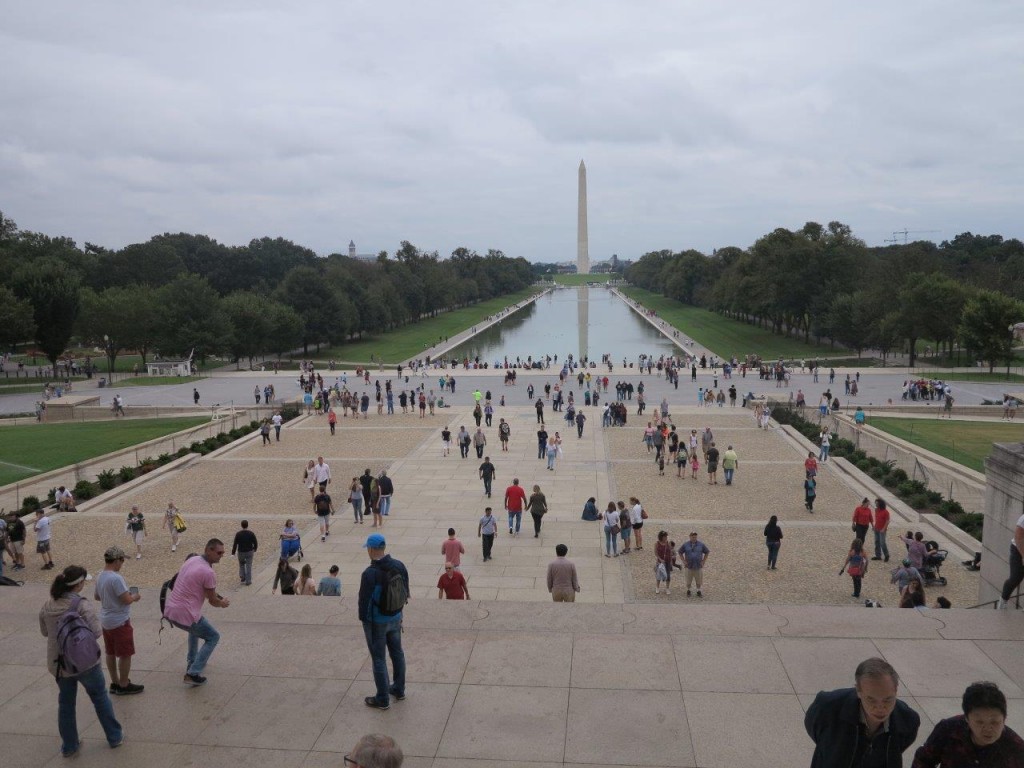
(452, 550)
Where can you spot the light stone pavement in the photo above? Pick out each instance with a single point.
(508, 678)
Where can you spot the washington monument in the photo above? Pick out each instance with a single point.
(582, 244)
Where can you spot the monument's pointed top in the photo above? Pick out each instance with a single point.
(582, 165)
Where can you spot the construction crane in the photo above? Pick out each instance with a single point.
(904, 232)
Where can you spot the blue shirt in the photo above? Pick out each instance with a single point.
(693, 553)
(371, 585)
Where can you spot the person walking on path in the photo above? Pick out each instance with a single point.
(663, 563)
(542, 442)
(856, 565)
(66, 597)
(487, 474)
(504, 432)
(636, 520)
(611, 530)
(881, 527)
(479, 441)
(581, 419)
(244, 547)
(446, 441)
(538, 507)
(487, 531)
(464, 439)
(136, 527)
(563, 584)
(730, 463)
(539, 405)
(695, 555)
(277, 420)
(453, 550)
(332, 419)
(850, 726)
(322, 473)
(552, 452)
(309, 477)
(773, 540)
(810, 493)
(330, 586)
(196, 584)
(862, 520)
(323, 507)
(515, 498)
(1016, 565)
(170, 523)
(285, 576)
(116, 600)
(355, 497)
(387, 491)
(383, 631)
(712, 459)
(452, 584)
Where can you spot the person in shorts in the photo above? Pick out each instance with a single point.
(16, 541)
(324, 508)
(136, 526)
(42, 531)
(115, 618)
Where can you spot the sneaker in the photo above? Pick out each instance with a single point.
(73, 752)
(138, 557)
(174, 548)
(398, 696)
(130, 689)
(115, 689)
(509, 531)
(119, 742)
(656, 591)
(699, 594)
(323, 538)
(876, 557)
(668, 591)
(688, 593)
(193, 680)
(1001, 605)
(371, 701)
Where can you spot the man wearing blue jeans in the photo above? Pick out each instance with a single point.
(383, 631)
(194, 585)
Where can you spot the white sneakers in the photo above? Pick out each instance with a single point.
(1001, 605)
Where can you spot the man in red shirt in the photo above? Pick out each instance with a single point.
(452, 584)
(881, 525)
(515, 498)
(862, 520)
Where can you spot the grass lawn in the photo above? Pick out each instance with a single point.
(21, 389)
(410, 340)
(30, 449)
(603, 277)
(965, 442)
(724, 336)
(153, 381)
(125, 362)
(983, 376)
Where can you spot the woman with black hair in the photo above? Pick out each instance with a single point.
(65, 596)
(977, 737)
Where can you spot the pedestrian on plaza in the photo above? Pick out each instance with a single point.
(374, 751)
(515, 499)
(452, 550)
(322, 473)
(706, 439)
(245, 546)
(552, 452)
(504, 432)
(712, 458)
(663, 557)
(383, 631)
(773, 540)
(116, 600)
(332, 419)
(136, 529)
(590, 512)
(694, 464)
(479, 441)
(1016, 564)
(862, 520)
(881, 527)
(387, 491)
(277, 420)
(903, 575)
(487, 531)
(487, 474)
(16, 540)
(612, 528)
(977, 737)
(305, 585)
(864, 725)
(581, 419)
(194, 585)
(810, 493)
(538, 507)
(285, 576)
(446, 441)
(539, 405)
(323, 507)
(695, 555)
(730, 463)
(330, 586)
(913, 595)
(542, 442)
(464, 439)
(637, 515)
(65, 597)
(563, 584)
(309, 478)
(452, 584)
(856, 565)
(916, 549)
(355, 498)
(171, 523)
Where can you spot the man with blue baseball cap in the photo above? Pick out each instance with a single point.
(383, 591)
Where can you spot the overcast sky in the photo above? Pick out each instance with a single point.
(702, 124)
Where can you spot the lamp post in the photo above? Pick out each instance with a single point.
(110, 362)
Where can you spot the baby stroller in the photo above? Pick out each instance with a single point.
(933, 561)
(290, 548)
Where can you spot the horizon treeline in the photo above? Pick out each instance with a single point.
(824, 283)
(179, 292)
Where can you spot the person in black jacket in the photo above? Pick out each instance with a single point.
(865, 726)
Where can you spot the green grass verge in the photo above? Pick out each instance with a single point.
(603, 277)
(980, 376)
(965, 442)
(154, 381)
(410, 340)
(724, 336)
(28, 450)
(21, 389)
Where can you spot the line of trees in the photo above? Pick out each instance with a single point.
(825, 283)
(179, 292)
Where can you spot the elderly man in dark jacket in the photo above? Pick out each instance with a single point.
(865, 726)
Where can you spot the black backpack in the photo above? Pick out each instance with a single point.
(393, 593)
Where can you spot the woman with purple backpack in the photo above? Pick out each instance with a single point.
(73, 656)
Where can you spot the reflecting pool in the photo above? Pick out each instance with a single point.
(584, 321)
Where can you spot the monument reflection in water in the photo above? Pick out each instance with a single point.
(584, 321)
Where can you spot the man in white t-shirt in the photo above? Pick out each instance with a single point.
(195, 584)
(322, 473)
(1016, 564)
(115, 619)
(277, 421)
(42, 530)
(65, 500)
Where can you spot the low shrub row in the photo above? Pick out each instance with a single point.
(913, 493)
(109, 479)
